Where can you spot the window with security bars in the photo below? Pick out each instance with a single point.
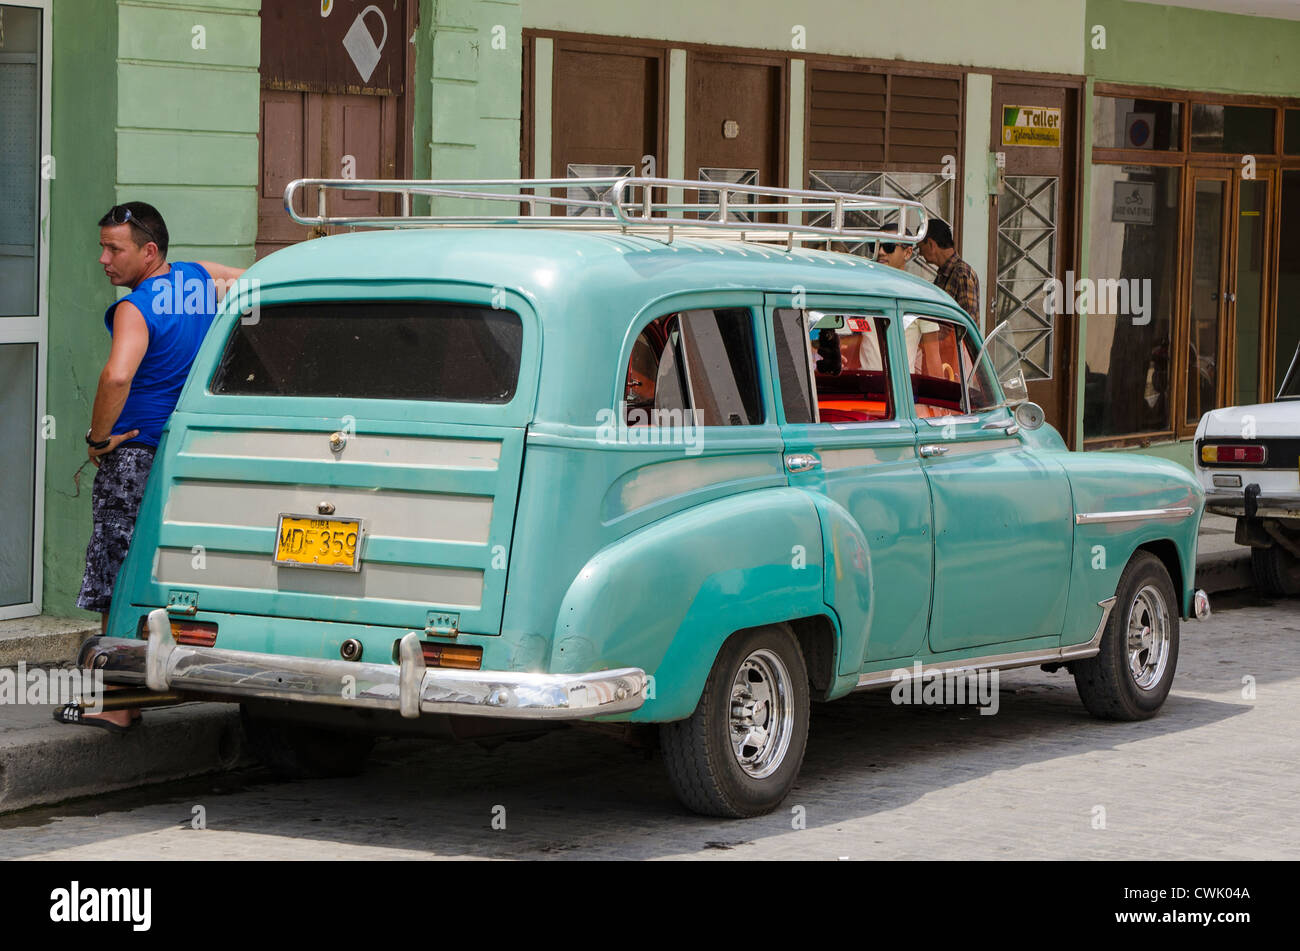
(589, 193)
(732, 176)
(935, 192)
(1026, 256)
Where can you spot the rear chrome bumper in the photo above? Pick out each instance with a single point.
(409, 687)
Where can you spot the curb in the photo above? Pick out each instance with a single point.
(50, 764)
(1222, 571)
(41, 641)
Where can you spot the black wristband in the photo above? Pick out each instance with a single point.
(97, 445)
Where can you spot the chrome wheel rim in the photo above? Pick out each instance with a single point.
(1148, 638)
(762, 715)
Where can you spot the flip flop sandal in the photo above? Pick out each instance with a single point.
(73, 715)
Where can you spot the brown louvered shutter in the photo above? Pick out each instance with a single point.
(924, 119)
(847, 113)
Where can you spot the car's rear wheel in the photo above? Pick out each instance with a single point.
(739, 754)
(1276, 570)
(1130, 677)
(299, 751)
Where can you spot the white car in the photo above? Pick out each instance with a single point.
(1248, 462)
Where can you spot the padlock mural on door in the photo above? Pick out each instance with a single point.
(360, 43)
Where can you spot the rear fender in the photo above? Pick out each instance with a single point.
(847, 580)
(667, 596)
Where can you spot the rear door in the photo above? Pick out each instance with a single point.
(402, 420)
(839, 397)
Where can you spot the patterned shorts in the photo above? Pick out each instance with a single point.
(115, 502)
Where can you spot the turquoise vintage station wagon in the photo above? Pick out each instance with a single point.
(624, 469)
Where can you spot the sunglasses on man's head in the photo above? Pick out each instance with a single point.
(121, 215)
(889, 247)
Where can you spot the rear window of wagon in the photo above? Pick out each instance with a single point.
(409, 350)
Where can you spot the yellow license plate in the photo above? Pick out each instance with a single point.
(306, 542)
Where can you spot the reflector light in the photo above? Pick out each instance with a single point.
(191, 633)
(195, 633)
(452, 655)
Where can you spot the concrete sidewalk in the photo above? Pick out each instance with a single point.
(42, 761)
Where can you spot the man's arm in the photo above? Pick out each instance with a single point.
(968, 291)
(130, 341)
(222, 276)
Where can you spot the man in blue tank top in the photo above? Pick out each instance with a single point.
(156, 329)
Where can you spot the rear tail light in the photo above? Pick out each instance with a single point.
(190, 633)
(452, 655)
(1244, 455)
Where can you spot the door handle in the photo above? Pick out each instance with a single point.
(801, 462)
(933, 450)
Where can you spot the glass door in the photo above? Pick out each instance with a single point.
(1207, 295)
(1248, 295)
(24, 112)
(1227, 290)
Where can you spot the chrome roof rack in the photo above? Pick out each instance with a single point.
(628, 205)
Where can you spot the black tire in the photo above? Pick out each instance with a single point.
(705, 770)
(299, 751)
(1276, 570)
(1107, 683)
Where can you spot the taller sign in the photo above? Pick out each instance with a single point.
(1038, 126)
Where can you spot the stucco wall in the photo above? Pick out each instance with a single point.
(84, 61)
(1156, 45)
(187, 121)
(1043, 36)
(468, 89)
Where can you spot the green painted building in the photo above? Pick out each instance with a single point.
(1144, 155)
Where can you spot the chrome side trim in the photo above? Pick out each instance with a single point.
(1054, 655)
(1136, 515)
(409, 687)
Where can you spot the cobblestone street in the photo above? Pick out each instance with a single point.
(1215, 775)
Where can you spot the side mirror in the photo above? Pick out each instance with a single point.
(1029, 415)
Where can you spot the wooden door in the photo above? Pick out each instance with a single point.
(735, 115)
(1031, 237)
(607, 112)
(334, 105)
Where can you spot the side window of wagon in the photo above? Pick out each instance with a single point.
(694, 367)
(833, 368)
(941, 356)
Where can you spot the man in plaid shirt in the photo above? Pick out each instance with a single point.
(955, 275)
